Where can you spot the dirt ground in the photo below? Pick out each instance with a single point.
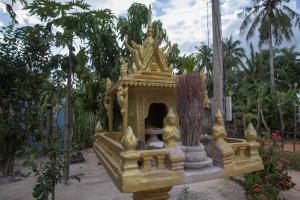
(289, 146)
(95, 184)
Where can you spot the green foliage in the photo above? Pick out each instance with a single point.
(49, 174)
(267, 183)
(24, 71)
(50, 9)
(293, 158)
(270, 18)
(137, 17)
(186, 194)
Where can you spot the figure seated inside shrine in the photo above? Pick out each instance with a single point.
(154, 126)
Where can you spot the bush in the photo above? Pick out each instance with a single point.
(293, 158)
(274, 178)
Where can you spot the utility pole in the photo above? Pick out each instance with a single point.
(217, 102)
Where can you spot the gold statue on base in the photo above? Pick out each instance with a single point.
(218, 129)
(170, 131)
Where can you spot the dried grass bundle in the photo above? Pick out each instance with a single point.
(190, 92)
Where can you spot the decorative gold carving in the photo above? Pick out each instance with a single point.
(123, 69)
(250, 133)
(206, 99)
(148, 56)
(121, 98)
(129, 140)
(108, 83)
(157, 194)
(170, 131)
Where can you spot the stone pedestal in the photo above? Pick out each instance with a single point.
(175, 158)
(157, 194)
(195, 157)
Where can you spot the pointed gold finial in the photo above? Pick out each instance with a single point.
(219, 118)
(171, 114)
(149, 27)
(250, 133)
(129, 140)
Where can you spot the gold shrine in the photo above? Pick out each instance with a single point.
(146, 97)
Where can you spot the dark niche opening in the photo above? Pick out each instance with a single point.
(155, 119)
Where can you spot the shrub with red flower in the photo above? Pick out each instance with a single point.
(275, 137)
(274, 178)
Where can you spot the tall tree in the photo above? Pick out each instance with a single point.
(217, 58)
(274, 21)
(205, 63)
(233, 55)
(84, 25)
(25, 63)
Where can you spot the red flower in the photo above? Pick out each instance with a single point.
(286, 161)
(275, 136)
(256, 189)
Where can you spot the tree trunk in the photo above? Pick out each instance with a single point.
(217, 58)
(271, 58)
(68, 119)
(7, 164)
(264, 121)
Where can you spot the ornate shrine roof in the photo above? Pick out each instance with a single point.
(150, 67)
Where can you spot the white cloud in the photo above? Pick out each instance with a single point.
(185, 21)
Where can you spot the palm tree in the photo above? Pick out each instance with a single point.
(255, 66)
(86, 25)
(205, 62)
(233, 55)
(274, 20)
(289, 62)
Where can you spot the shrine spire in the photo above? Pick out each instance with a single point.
(149, 27)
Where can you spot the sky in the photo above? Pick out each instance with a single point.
(185, 21)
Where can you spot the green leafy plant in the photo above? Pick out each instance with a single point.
(186, 194)
(274, 178)
(49, 174)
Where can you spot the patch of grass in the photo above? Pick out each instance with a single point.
(294, 159)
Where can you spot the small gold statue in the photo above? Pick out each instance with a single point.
(170, 131)
(250, 133)
(129, 141)
(218, 129)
